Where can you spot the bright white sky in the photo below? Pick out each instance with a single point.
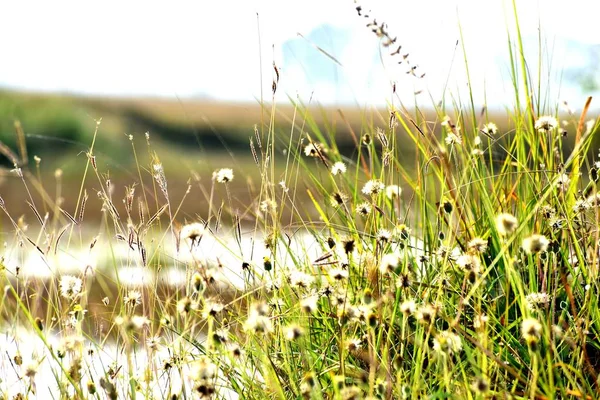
(210, 48)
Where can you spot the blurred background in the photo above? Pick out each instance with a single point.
(193, 75)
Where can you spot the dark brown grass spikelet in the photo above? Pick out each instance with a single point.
(60, 235)
(257, 137)
(83, 203)
(92, 159)
(35, 245)
(141, 211)
(254, 154)
(69, 216)
(143, 254)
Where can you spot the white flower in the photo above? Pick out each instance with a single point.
(562, 183)
(223, 175)
(309, 304)
(383, 235)
(546, 123)
(477, 245)
(338, 274)
(389, 262)
(134, 297)
(447, 342)
(364, 209)
(506, 224)
(258, 320)
(408, 307)
(193, 232)
(537, 300)
(535, 244)
(338, 168)
(490, 129)
(301, 279)
(373, 187)
(268, 205)
(70, 286)
(531, 329)
(453, 139)
(393, 191)
(312, 150)
(468, 262)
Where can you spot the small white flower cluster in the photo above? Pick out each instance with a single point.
(223, 175)
(70, 287)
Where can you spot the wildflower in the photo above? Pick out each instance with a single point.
(490, 129)
(389, 263)
(193, 232)
(393, 191)
(481, 385)
(477, 245)
(301, 279)
(506, 224)
(186, 305)
(402, 232)
(546, 123)
(373, 187)
(211, 309)
(535, 244)
(293, 332)
(338, 199)
(223, 175)
(408, 307)
(480, 321)
(353, 344)
(446, 253)
(338, 274)
(593, 200)
(31, 369)
(283, 186)
(547, 211)
(453, 139)
(364, 209)
(258, 320)
(268, 205)
(133, 298)
(312, 150)
(580, 206)
(468, 263)
(562, 183)
(204, 373)
(221, 336)
(153, 342)
(537, 300)
(425, 314)
(338, 168)
(383, 236)
(348, 245)
(70, 286)
(197, 282)
(447, 343)
(309, 304)
(531, 330)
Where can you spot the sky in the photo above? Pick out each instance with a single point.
(224, 50)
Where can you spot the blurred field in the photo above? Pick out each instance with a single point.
(191, 138)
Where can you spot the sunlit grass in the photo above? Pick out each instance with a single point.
(469, 272)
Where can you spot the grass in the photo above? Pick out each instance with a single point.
(470, 274)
